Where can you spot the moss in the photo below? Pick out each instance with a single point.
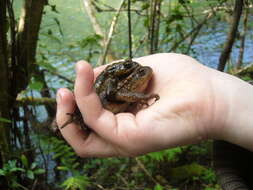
(187, 171)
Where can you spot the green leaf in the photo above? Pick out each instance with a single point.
(47, 66)
(90, 40)
(76, 182)
(53, 8)
(145, 6)
(173, 153)
(63, 168)
(36, 85)
(39, 171)
(3, 120)
(17, 169)
(34, 165)
(15, 185)
(2, 172)
(11, 163)
(30, 174)
(57, 155)
(158, 187)
(24, 161)
(158, 156)
(75, 165)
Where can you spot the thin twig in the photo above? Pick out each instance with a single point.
(123, 180)
(173, 48)
(129, 29)
(194, 36)
(59, 75)
(142, 167)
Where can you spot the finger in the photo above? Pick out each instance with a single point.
(96, 117)
(86, 98)
(65, 105)
(85, 144)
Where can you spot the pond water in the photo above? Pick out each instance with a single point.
(208, 46)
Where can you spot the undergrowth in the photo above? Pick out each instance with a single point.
(187, 167)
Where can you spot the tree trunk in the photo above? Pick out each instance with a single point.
(16, 61)
(28, 31)
(243, 35)
(4, 84)
(155, 6)
(231, 35)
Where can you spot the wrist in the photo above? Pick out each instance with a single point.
(234, 110)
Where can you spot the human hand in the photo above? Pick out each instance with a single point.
(186, 112)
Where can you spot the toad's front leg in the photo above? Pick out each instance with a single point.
(132, 97)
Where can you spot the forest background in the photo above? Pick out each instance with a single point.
(40, 41)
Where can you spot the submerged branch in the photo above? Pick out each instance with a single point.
(35, 101)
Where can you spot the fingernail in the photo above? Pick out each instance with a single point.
(58, 97)
(77, 66)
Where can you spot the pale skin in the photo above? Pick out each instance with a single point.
(196, 103)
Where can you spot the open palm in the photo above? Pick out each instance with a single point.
(181, 115)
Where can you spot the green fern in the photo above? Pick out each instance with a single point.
(76, 183)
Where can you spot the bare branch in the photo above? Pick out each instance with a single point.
(197, 28)
(59, 75)
(110, 34)
(247, 70)
(91, 13)
(92, 16)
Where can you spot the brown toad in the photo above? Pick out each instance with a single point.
(119, 86)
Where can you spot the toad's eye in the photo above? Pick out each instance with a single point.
(142, 72)
(111, 68)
